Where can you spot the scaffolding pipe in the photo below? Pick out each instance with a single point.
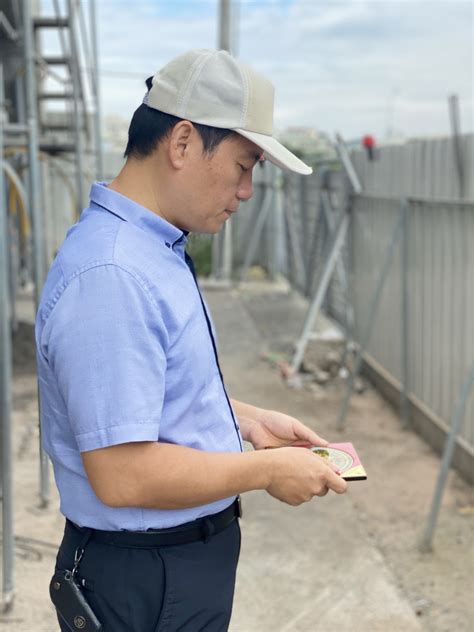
(5, 388)
(97, 114)
(257, 230)
(426, 544)
(453, 105)
(76, 87)
(340, 267)
(276, 228)
(295, 260)
(34, 196)
(348, 166)
(318, 299)
(222, 241)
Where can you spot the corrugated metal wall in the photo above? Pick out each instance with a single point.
(422, 168)
(440, 261)
(440, 266)
(440, 296)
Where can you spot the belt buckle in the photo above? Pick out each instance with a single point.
(239, 507)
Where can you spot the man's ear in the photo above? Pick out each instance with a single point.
(181, 137)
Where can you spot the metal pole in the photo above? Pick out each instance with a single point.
(357, 188)
(34, 195)
(321, 292)
(312, 256)
(97, 114)
(453, 104)
(227, 251)
(17, 265)
(372, 313)
(340, 268)
(20, 99)
(426, 543)
(222, 242)
(296, 266)
(78, 112)
(343, 280)
(235, 27)
(404, 408)
(5, 387)
(257, 231)
(349, 167)
(303, 205)
(277, 246)
(225, 25)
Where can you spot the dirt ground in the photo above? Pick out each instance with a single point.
(402, 469)
(393, 505)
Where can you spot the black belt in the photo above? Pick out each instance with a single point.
(200, 529)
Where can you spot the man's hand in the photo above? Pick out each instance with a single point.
(298, 475)
(272, 429)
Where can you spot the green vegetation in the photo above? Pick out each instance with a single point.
(200, 249)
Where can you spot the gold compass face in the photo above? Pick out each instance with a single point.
(342, 460)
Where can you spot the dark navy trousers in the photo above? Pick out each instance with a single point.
(185, 588)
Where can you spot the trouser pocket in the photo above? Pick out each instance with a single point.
(124, 587)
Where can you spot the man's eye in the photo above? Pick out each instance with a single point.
(243, 168)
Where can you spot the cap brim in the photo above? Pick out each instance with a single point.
(276, 153)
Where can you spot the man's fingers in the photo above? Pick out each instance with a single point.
(319, 441)
(306, 434)
(336, 482)
(323, 492)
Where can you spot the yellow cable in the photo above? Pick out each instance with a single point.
(25, 225)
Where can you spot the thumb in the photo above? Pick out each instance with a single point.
(309, 436)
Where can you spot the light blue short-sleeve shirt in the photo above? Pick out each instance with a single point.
(125, 353)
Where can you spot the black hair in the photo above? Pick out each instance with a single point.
(149, 126)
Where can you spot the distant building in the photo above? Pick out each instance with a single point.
(308, 143)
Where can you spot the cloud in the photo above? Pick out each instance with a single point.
(138, 39)
(352, 65)
(346, 60)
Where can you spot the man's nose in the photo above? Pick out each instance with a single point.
(245, 190)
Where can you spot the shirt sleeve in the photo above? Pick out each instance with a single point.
(106, 343)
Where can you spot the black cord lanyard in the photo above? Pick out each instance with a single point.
(190, 265)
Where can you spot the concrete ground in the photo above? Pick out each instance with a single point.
(341, 562)
(311, 567)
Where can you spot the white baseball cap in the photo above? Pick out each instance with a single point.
(212, 88)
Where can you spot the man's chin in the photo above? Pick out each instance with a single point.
(208, 230)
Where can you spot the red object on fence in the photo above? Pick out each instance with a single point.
(368, 142)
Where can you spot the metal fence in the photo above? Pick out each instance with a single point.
(440, 267)
(420, 167)
(439, 260)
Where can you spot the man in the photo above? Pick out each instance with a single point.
(145, 443)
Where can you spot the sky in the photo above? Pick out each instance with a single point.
(349, 66)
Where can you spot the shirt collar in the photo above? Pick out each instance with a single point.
(135, 213)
